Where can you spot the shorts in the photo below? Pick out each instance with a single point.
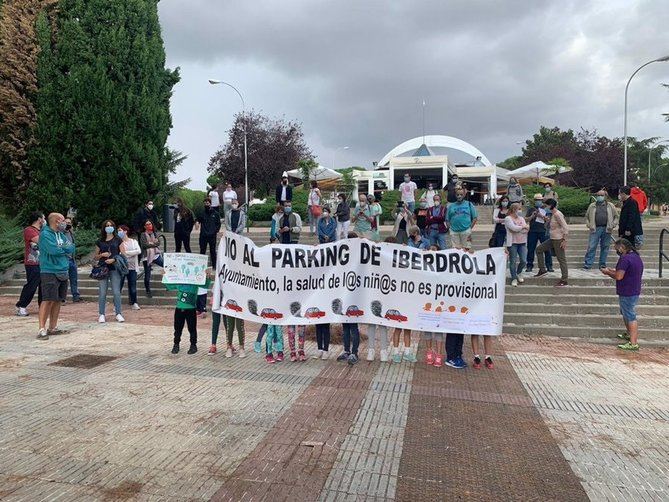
(461, 239)
(53, 288)
(628, 307)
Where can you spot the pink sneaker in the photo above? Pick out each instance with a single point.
(212, 350)
(438, 361)
(301, 355)
(270, 358)
(293, 357)
(429, 358)
(279, 357)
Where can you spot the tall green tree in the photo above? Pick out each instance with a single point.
(103, 109)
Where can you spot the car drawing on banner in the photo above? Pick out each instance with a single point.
(232, 305)
(270, 314)
(395, 315)
(314, 313)
(354, 311)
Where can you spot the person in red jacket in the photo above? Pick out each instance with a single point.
(640, 197)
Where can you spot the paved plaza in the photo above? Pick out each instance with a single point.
(555, 420)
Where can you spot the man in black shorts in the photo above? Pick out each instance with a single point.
(55, 252)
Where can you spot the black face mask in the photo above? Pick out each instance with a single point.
(68, 227)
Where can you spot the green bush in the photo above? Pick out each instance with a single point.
(194, 199)
(572, 201)
(388, 204)
(264, 211)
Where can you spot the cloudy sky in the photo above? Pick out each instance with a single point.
(354, 72)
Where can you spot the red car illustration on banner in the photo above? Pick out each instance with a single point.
(395, 315)
(354, 311)
(232, 305)
(270, 314)
(314, 313)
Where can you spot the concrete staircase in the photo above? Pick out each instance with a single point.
(587, 308)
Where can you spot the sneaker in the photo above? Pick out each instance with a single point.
(77, 299)
(301, 355)
(149, 294)
(623, 336)
(135, 307)
(477, 363)
(520, 279)
(257, 348)
(514, 283)
(541, 272)
(528, 269)
(370, 354)
(269, 358)
(279, 357)
(561, 284)
(438, 361)
(384, 355)
(429, 358)
(192, 349)
(242, 353)
(228, 352)
(409, 356)
(551, 269)
(397, 357)
(633, 347)
(21, 312)
(318, 354)
(488, 363)
(343, 356)
(212, 350)
(456, 363)
(325, 356)
(585, 268)
(175, 348)
(102, 319)
(42, 334)
(352, 359)
(120, 318)
(293, 357)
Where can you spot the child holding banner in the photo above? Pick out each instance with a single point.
(407, 354)
(184, 313)
(434, 356)
(274, 340)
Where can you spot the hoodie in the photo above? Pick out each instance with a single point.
(640, 197)
(55, 251)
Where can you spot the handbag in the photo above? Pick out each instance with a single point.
(100, 272)
(316, 211)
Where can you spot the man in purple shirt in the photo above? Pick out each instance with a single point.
(628, 273)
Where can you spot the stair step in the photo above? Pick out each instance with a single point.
(591, 332)
(553, 317)
(551, 297)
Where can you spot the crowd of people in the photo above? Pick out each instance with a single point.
(526, 231)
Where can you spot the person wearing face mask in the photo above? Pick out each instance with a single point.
(536, 217)
(408, 192)
(559, 233)
(31, 263)
(451, 187)
(209, 224)
(516, 242)
(131, 249)
(515, 191)
(145, 213)
(377, 211)
(437, 226)
(362, 217)
(420, 215)
(284, 191)
(462, 218)
(290, 225)
(416, 240)
(629, 225)
(183, 226)
(403, 219)
(314, 208)
(499, 234)
(343, 213)
(327, 227)
(429, 194)
(549, 193)
(600, 218)
(55, 251)
(72, 272)
(235, 219)
(107, 250)
(151, 255)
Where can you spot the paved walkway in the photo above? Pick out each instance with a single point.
(554, 420)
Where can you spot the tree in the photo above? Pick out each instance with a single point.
(558, 164)
(103, 109)
(306, 167)
(274, 146)
(511, 163)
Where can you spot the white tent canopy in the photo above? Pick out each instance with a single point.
(538, 169)
(320, 173)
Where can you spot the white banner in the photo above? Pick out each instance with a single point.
(185, 268)
(357, 280)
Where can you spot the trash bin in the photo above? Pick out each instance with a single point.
(168, 217)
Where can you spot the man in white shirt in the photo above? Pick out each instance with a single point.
(408, 192)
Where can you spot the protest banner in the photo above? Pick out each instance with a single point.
(185, 268)
(357, 280)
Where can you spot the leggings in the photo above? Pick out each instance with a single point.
(261, 333)
(181, 317)
(323, 336)
(274, 340)
(215, 325)
(300, 337)
(371, 336)
(230, 325)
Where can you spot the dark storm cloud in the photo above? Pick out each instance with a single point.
(491, 72)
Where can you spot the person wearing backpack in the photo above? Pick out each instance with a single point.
(462, 217)
(107, 251)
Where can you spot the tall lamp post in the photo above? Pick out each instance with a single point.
(659, 60)
(246, 158)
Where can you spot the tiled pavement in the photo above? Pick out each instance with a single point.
(555, 420)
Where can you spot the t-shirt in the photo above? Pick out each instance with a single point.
(31, 250)
(314, 197)
(187, 294)
(630, 284)
(421, 215)
(461, 215)
(228, 197)
(112, 246)
(215, 199)
(601, 214)
(407, 190)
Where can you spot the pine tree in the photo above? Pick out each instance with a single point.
(103, 109)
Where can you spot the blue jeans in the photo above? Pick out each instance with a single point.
(437, 239)
(411, 206)
(517, 259)
(599, 236)
(72, 272)
(534, 238)
(115, 278)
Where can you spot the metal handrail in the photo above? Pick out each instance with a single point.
(662, 253)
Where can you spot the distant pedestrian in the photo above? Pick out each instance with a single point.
(343, 213)
(151, 253)
(131, 249)
(536, 217)
(107, 250)
(314, 207)
(144, 213)
(408, 193)
(559, 233)
(515, 191)
(73, 272)
(31, 236)
(550, 193)
(629, 225)
(462, 217)
(215, 197)
(183, 226)
(627, 274)
(228, 196)
(601, 219)
(284, 191)
(516, 243)
(54, 264)
(209, 224)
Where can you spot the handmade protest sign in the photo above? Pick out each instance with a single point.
(357, 280)
(185, 268)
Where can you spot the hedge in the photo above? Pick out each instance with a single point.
(572, 201)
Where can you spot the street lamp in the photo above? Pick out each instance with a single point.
(651, 149)
(246, 159)
(659, 60)
(335, 153)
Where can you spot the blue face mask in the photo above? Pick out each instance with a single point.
(600, 198)
(121, 234)
(548, 210)
(538, 203)
(109, 230)
(287, 210)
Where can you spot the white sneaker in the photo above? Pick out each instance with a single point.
(120, 318)
(228, 353)
(102, 318)
(242, 353)
(21, 312)
(384, 355)
(135, 307)
(520, 279)
(514, 283)
(318, 355)
(325, 356)
(370, 354)
(43, 334)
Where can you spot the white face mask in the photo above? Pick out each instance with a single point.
(149, 206)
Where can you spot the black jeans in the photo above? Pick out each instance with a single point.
(323, 337)
(181, 317)
(211, 241)
(147, 272)
(182, 238)
(454, 342)
(351, 331)
(132, 286)
(29, 288)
